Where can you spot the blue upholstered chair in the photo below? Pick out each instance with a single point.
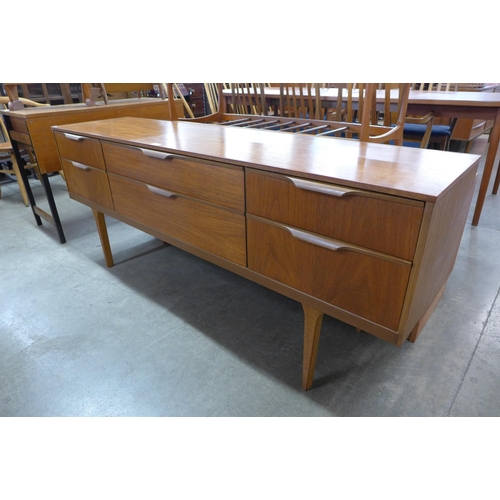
(421, 131)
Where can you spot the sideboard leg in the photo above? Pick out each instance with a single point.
(312, 328)
(103, 236)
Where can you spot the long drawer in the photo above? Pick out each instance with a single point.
(384, 223)
(366, 283)
(80, 149)
(203, 180)
(88, 182)
(215, 229)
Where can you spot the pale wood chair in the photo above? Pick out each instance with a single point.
(178, 95)
(247, 99)
(9, 164)
(242, 101)
(360, 106)
(367, 111)
(212, 96)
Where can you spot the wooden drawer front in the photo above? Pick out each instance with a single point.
(19, 125)
(383, 223)
(81, 149)
(209, 227)
(90, 183)
(363, 283)
(19, 131)
(202, 180)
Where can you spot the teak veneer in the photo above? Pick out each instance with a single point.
(366, 233)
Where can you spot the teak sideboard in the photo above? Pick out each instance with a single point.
(366, 233)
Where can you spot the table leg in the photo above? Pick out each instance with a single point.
(488, 168)
(497, 181)
(103, 236)
(312, 328)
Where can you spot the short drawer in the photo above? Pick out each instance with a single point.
(81, 149)
(214, 229)
(360, 281)
(88, 182)
(380, 222)
(208, 181)
(19, 132)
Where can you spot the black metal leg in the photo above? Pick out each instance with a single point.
(53, 208)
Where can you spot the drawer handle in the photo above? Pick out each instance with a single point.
(161, 155)
(318, 187)
(81, 166)
(77, 138)
(161, 192)
(315, 240)
(335, 245)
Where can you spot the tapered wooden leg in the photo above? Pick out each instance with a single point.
(103, 236)
(20, 181)
(312, 328)
(488, 168)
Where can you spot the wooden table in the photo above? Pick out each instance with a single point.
(367, 233)
(32, 127)
(471, 105)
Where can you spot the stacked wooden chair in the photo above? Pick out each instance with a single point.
(363, 111)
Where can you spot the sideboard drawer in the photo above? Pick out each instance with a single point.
(87, 182)
(204, 180)
(80, 149)
(363, 282)
(212, 228)
(384, 223)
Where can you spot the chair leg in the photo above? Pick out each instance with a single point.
(22, 187)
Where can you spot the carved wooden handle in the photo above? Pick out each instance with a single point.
(161, 192)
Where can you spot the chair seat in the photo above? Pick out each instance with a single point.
(416, 129)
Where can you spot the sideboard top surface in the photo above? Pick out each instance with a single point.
(403, 171)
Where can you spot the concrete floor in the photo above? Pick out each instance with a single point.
(164, 333)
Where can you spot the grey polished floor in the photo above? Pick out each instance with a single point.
(164, 333)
